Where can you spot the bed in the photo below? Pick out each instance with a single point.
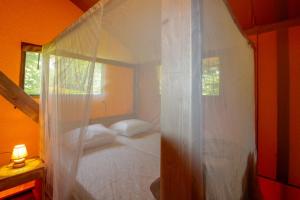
(123, 170)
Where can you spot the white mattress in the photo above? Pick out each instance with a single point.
(123, 170)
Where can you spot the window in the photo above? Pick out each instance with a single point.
(74, 78)
(211, 76)
(30, 72)
(98, 82)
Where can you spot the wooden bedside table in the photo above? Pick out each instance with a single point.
(30, 177)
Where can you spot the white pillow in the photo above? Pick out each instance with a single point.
(131, 127)
(97, 135)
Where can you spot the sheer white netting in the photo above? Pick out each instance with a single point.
(103, 69)
(228, 109)
(107, 68)
(67, 75)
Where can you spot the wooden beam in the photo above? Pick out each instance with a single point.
(15, 95)
(99, 60)
(181, 172)
(273, 27)
(25, 46)
(283, 102)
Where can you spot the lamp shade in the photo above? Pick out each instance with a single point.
(19, 152)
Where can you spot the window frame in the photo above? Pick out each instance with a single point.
(27, 47)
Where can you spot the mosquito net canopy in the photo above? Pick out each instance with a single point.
(117, 81)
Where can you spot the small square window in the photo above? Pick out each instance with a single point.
(211, 76)
(32, 83)
(30, 72)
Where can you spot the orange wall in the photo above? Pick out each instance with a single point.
(272, 190)
(267, 49)
(267, 103)
(117, 98)
(294, 59)
(33, 21)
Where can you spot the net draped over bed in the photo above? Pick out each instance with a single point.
(109, 66)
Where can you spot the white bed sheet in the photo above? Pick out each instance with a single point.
(123, 170)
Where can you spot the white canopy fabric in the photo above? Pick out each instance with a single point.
(112, 65)
(67, 75)
(228, 118)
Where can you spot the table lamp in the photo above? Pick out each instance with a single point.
(18, 156)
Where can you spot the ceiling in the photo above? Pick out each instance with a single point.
(84, 5)
(249, 13)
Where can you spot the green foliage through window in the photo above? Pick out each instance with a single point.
(73, 75)
(211, 76)
(32, 74)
